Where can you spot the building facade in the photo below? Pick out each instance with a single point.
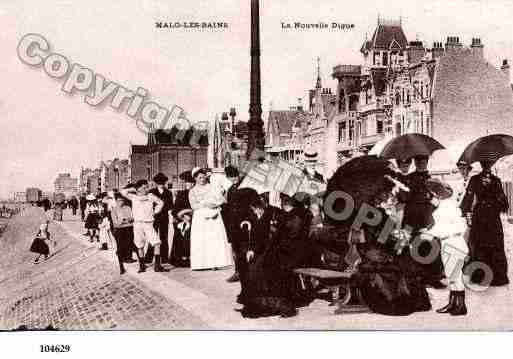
(19, 197)
(114, 174)
(448, 92)
(66, 185)
(171, 153)
(229, 141)
(33, 195)
(90, 180)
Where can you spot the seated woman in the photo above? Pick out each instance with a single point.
(387, 282)
(270, 286)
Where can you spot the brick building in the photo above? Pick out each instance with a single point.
(66, 185)
(170, 153)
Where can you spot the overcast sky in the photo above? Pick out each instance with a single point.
(44, 131)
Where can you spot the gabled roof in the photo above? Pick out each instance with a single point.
(283, 121)
(386, 37)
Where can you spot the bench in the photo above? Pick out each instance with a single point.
(340, 284)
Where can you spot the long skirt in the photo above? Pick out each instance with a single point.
(209, 243)
(39, 246)
(387, 289)
(92, 221)
(486, 244)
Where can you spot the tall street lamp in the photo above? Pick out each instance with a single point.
(255, 123)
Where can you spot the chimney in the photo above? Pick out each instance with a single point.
(477, 47)
(452, 44)
(505, 69)
(416, 52)
(437, 50)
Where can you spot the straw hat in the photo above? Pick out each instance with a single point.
(441, 189)
(90, 197)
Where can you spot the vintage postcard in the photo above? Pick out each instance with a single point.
(256, 165)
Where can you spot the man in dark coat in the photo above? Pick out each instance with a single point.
(161, 223)
(231, 216)
(181, 203)
(418, 214)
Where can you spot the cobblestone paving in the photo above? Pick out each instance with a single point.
(77, 289)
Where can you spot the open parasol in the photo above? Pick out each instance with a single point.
(488, 148)
(410, 145)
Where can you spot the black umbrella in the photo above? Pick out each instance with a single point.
(362, 179)
(410, 145)
(488, 148)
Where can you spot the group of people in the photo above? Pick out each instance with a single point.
(209, 226)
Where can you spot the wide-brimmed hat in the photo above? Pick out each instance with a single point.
(90, 197)
(160, 178)
(439, 188)
(184, 212)
(463, 164)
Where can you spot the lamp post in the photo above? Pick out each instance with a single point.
(255, 123)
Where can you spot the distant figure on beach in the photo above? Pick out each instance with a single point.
(40, 244)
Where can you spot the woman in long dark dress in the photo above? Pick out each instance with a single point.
(274, 248)
(486, 237)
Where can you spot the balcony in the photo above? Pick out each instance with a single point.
(341, 71)
(371, 140)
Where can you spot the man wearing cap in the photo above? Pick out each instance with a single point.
(418, 214)
(144, 207)
(161, 223)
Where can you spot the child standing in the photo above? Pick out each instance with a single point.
(104, 229)
(40, 245)
(92, 217)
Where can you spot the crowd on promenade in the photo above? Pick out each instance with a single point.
(210, 226)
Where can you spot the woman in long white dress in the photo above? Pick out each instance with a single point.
(209, 245)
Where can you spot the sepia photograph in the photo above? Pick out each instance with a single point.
(264, 166)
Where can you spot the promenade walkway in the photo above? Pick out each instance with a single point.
(80, 288)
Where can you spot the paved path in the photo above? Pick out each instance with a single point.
(80, 288)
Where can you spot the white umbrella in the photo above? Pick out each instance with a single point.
(378, 147)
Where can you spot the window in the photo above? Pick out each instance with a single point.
(385, 58)
(397, 99)
(379, 125)
(421, 90)
(351, 130)
(408, 96)
(403, 97)
(363, 128)
(341, 131)
(398, 129)
(421, 121)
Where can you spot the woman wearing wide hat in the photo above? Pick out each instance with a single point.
(482, 205)
(209, 244)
